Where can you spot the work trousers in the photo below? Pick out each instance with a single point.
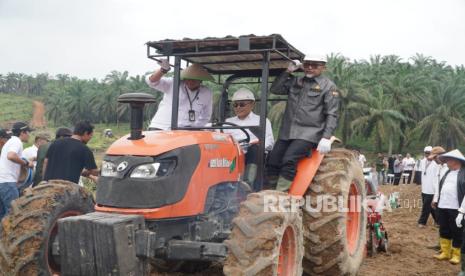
(447, 227)
(397, 178)
(426, 209)
(409, 176)
(285, 155)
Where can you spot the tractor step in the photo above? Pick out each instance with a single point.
(195, 251)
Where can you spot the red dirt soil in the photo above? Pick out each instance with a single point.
(38, 115)
(408, 253)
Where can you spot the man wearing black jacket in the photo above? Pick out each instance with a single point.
(309, 120)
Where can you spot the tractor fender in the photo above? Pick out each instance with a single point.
(306, 170)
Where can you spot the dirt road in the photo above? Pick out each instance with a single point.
(408, 252)
(38, 115)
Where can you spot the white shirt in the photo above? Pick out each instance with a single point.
(442, 169)
(9, 170)
(422, 164)
(201, 104)
(408, 163)
(448, 199)
(429, 176)
(362, 160)
(31, 153)
(251, 120)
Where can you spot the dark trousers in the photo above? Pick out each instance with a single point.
(409, 176)
(426, 209)
(417, 178)
(396, 178)
(252, 155)
(447, 227)
(285, 155)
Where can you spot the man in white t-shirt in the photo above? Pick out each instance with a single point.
(429, 171)
(243, 103)
(30, 153)
(10, 165)
(408, 164)
(195, 100)
(361, 159)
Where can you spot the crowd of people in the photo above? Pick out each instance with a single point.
(65, 158)
(396, 168)
(441, 175)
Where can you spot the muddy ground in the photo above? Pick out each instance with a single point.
(408, 244)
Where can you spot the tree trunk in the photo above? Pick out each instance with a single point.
(390, 145)
(401, 145)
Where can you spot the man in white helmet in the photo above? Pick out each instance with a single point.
(243, 102)
(195, 100)
(309, 120)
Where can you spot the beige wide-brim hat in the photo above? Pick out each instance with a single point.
(436, 151)
(196, 72)
(454, 154)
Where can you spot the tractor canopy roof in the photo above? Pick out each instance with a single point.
(229, 55)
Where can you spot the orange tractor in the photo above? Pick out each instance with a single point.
(177, 201)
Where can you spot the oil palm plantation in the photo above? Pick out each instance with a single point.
(445, 122)
(377, 118)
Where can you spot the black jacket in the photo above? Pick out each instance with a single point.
(312, 107)
(460, 185)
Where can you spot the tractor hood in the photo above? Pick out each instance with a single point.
(158, 142)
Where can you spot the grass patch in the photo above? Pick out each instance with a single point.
(14, 108)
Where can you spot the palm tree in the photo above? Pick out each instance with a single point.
(445, 123)
(377, 117)
(345, 76)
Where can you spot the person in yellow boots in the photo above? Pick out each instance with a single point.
(451, 194)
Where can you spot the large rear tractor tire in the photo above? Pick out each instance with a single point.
(31, 227)
(334, 240)
(265, 242)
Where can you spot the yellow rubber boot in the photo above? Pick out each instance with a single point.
(445, 249)
(455, 259)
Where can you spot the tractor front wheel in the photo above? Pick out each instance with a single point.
(30, 229)
(335, 238)
(265, 242)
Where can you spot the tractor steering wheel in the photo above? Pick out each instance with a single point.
(247, 135)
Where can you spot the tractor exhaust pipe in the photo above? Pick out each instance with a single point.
(137, 102)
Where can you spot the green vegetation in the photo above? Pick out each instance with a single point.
(387, 104)
(14, 108)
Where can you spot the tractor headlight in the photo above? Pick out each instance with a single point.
(108, 169)
(146, 171)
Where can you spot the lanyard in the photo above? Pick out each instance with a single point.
(427, 165)
(189, 97)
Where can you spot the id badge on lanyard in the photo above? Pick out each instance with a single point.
(191, 115)
(191, 111)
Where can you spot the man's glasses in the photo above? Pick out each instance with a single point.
(239, 104)
(312, 65)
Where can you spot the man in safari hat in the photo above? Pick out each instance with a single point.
(451, 207)
(195, 100)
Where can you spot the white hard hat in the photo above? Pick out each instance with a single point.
(318, 58)
(428, 149)
(243, 94)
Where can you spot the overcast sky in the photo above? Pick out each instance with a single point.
(90, 38)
